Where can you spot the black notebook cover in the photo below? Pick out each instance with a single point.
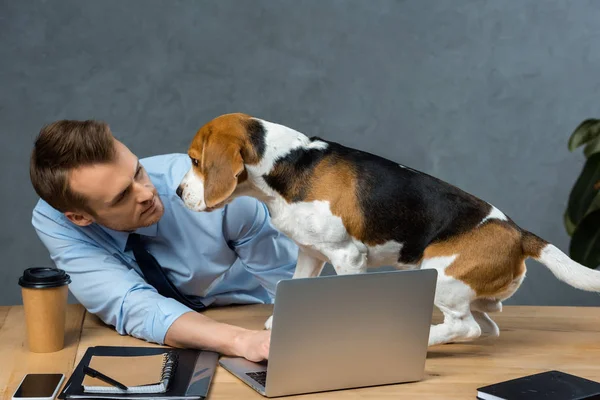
(550, 385)
(183, 385)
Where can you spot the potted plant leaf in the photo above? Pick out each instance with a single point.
(582, 216)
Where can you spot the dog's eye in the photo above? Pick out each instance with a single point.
(195, 162)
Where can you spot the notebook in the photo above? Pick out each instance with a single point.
(141, 374)
(189, 380)
(550, 385)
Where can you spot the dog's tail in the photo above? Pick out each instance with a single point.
(561, 265)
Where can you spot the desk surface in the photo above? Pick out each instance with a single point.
(532, 339)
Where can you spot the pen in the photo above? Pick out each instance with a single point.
(95, 374)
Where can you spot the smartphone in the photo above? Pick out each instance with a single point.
(39, 387)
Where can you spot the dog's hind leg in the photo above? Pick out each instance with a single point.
(486, 305)
(479, 308)
(453, 298)
(459, 325)
(306, 266)
(487, 325)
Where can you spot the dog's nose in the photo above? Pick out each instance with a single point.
(179, 191)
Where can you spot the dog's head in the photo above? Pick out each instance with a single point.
(218, 153)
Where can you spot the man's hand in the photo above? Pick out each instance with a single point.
(253, 345)
(196, 331)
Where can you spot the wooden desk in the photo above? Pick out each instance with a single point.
(532, 339)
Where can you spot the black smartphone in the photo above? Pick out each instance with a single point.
(39, 387)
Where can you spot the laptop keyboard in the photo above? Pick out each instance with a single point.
(260, 377)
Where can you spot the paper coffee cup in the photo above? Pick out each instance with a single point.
(44, 292)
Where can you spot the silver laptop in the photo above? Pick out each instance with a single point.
(339, 332)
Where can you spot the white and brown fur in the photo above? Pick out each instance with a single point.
(357, 210)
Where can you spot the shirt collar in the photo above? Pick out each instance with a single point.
(120, 237)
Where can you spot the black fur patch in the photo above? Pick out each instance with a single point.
(256, 132)
(409, 206)
(398, 203)
(290, 174)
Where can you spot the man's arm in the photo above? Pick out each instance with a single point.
(193, 330)
(119, 296)
(266, 252)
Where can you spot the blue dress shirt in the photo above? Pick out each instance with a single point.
(231, 255)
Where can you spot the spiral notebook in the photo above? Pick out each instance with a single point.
(141, 374)
(146, 371)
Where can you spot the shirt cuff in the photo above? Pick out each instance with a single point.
(167, 311)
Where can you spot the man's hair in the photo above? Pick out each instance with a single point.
(61, 147)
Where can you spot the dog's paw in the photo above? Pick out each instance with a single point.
(269, 323)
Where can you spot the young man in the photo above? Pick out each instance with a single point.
(108, 219)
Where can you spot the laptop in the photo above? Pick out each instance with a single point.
(344, 331)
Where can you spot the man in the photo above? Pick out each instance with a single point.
(96, 196)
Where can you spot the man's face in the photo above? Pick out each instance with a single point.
(120, 194)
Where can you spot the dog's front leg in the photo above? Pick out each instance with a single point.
(349, 260)
(307, 266)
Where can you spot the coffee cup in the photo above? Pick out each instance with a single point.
(44, 291)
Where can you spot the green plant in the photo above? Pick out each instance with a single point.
(582, 216)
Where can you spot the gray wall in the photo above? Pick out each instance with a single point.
(481, 94)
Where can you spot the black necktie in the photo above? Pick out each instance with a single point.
(156, 276)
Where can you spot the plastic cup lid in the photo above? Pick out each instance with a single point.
(44, 277)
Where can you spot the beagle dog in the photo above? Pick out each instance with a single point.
(357, 210)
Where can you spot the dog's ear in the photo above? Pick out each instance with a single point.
(223, 166)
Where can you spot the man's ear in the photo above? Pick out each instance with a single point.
(220, 178)
(79, 218)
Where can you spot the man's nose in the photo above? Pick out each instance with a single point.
(146, 194)
(179, 191)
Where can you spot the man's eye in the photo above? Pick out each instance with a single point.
(121, 197)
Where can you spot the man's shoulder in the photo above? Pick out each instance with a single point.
(45, 209)
(49, 220)
(244, 215)
(166, 170)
